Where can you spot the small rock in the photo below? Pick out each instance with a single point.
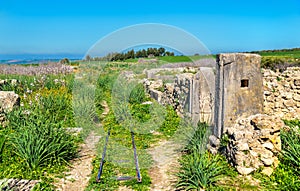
(268, 145)
(267, 161)
(214, 141)
(244, 170)
(147, 103)
(288, 103)
(243, 146)
(267, 171)
(297, 82)
(253, 153)
(296, 97)
(267, 93)
(74, 130)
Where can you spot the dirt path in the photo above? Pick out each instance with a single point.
(78, 176)
(162, 173)
(165, 166)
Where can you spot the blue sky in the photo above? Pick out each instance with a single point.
(65, 26)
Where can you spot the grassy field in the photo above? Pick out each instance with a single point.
(290, 53)
(279, 59)
(175, 59)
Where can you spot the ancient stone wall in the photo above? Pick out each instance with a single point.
(282, 93)
(190, 94)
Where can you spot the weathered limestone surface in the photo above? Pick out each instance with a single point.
(254, 142)
(239, 89)
(282, 93)
(190, 94)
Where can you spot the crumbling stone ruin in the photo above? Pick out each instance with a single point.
(254, 143)
(241, 102)
(188, 92)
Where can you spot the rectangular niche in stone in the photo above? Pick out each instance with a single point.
(245, 83)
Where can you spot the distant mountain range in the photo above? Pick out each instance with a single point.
(36, 58)
(31, 61)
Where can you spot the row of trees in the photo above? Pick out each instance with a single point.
(131, 54)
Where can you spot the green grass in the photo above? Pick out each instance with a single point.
(291, 54)
(199, 168)
(34, 144)
(39, 143)
(174, 59)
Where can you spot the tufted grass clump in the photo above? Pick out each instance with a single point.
(37, 141)
(291, 148)
(199, 168)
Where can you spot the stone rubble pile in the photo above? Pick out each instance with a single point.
(254, 143)
(17, 184)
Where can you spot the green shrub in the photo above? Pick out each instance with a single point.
(38, 139)
(57, 106)
(286, 178)
(292, 123)
(287, 175)
(283, 178)
(199, 168)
